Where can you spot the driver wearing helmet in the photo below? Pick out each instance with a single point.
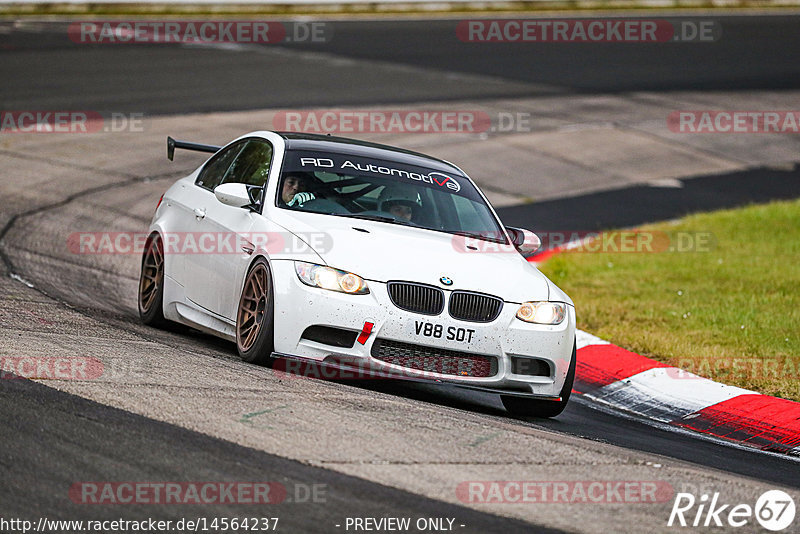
(399, 201)
(295, 189)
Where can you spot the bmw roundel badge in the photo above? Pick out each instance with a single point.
(446, 281)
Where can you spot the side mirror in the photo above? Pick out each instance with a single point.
(525, 241)
(235, 195)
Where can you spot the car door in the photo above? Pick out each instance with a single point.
(189, 203)
(213, 273)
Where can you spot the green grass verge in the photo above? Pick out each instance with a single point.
(730, 313)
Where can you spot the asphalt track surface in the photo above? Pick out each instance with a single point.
(601, 210)
(81, 440)
(43, 69)
(756, 53)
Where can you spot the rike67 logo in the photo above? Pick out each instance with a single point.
(774, 510)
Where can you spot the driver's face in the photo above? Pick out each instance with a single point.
(291, 186)
(401, 210)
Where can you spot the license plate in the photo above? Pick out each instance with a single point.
(425, 329)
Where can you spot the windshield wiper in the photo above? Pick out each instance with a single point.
(380, 218)
(479, 236)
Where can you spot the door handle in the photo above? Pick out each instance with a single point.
(199, 213)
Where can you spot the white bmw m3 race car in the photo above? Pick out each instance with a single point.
(351, 255)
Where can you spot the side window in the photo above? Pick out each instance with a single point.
(252, 165)
(214, 171)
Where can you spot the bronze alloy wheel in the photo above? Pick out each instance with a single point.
(151, 282)
(254, 328)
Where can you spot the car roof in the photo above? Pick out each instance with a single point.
(356, 147)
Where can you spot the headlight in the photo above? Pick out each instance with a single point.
(329, 278)
(542, 312)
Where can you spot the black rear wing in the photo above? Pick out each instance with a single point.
(172, 144)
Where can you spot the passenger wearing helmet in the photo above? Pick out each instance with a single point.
(399, 201)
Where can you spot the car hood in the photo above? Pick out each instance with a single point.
(383, 252)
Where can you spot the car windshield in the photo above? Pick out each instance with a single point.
(386, 191)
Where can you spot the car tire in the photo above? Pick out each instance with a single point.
(527, 407)
(255, 325)
(151, 283)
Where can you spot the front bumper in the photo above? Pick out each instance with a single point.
(298, 306)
